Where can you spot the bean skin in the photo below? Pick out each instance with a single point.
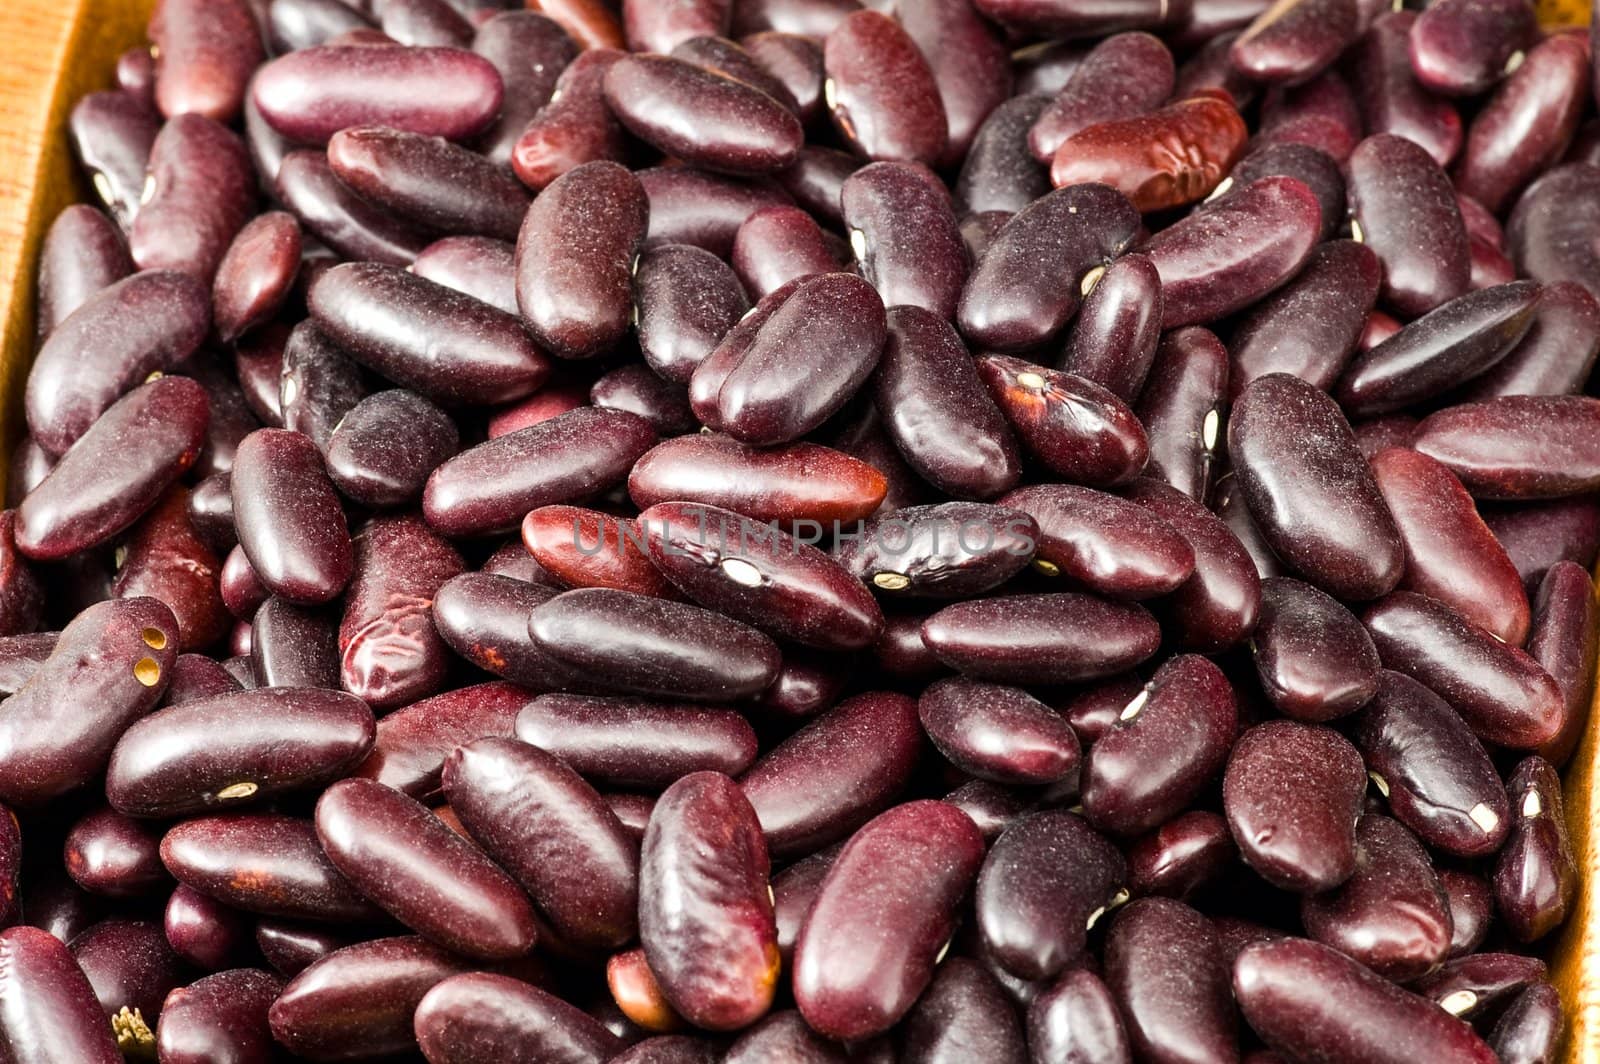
(288, 516)
(998, 733)
(1125, 75)
(1113, 342)
(1181, 408)
(51, 1013)
(1163, 969)
(884, 98)
(1106, 544)
(222, 1017)
(1041, 639)
(462, 1017)
(112, 133)
(531, 52)
(346, 223)
(1199, 141)
(201, 192)
(1462, 49)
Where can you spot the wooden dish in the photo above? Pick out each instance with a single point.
(54, 51)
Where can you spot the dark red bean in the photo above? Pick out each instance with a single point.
(51, 1013)
(220, 1018)
(1460, 339)
(131, 970)
(412, 743)
(694, 206)
(815, 179)
(774, 246)
(1462, 48)
(319, 384)
(1219, 603)
(83, 253)
(1000, 173)
(479, 266)
(405, 859)
(382, 450)
(1471, 910)
(112, 855)
(951, 550)
(1557, 352)
(1314, 659)
(1027, 286)
(1565, 639)
(112, 133)
(1301, 998)
(1527, 124)
(1181, 409)
(1311, 326)
(1503, 694)
(963, 1012)
(203, 931)
(288, 517)
(429, 181)
(1392, 914)
(108, 669)
(359, 1001)
(1543, 232)
(998, 733)
(705, 909)
(576, 294)
(1311, 165)
(147, 323)
(1168, 158)
(574, 127)
(1186, 854)
(796, 482)
(1310, 491)
(294, 646)
(1472, 986)
(1291, 42)
(491, 487)
(468, 1015)
(883, 205)
(851, 982)
(642, 645)
(1113, 341)
(1077, 1019)
(1125, 75)
(588, 548)
(345, 222)
(881, 92)
(1079, 430)
(243, 747)
(760, 575)
(835, 773)
(264, 864)
(205, 55)
(484, 618)
(293, 25)
(660, 28)
(424, 22)
(1168, 742)
(629, 742)
(310, 95)
(1226, 257)
(1530, 1029)
(1108, 545)
(793, 62)
(1517, 447)
(1535, 875)
(1292, 793)
(686, 300)
(1041, 639)
(1163, 969)
(256, 274)
(530, 51)
(1392, 99)
(198, 195)
(291, 948)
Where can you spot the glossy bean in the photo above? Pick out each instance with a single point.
(411, 744)
(83, 253)
(574, 127)
(131, 970)
(52, 1013)
(686, 300)
(1076, 1018)
(1163, 969)
(963, 1012)
(1113, 340)
(630, 742)
(464, 1016)
(1530, 1030)
(904, 236)
(1516, 447)
(479, 266)
(111, 134)
(1474, 985)
(1392, 99)
(998, 733)
(198, 195)
(1462, 49)
(530, 51)
(950, 550)
(1199, 141)
(115, 856)
(884, 97)
(1315, 167)
(288, 517)
(1543, 231)
(1557, 352)
(484, 618)
(429, 181)
(1181, 409)
(1123, 76)
(346, 223)
(1108, 545)
(1315, 660)
(1290, 42)
(1079, 430)
(1311, 326)
(203, 931)
(1041, 639)
(587, 548)
(777, 244)
(1187, 853)
(220, 1019)
(1535, 876)
(294, 646)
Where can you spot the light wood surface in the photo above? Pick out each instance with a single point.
(54, 51)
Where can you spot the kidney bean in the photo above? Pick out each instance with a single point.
(425, 22)
(575, 127)
(1530, 1029)
(1219, 603)
(686, 300)
(1184, 855)
(637, 994)
(319, 384)
(1311, 165)
(478, 266)
(1041, 639)
(998, 733)
(1291, 42)
(293, 25)
(576, 294)
(1527, 124)
(222, 1017)
(1322, 114)
(1565, 639)
(881, 92)
(588, 548)
(1309, 490)
(1077, 1019)
(293, 646)
(850, 983)
(1543, 231)
(291, 948)
(642, 645)
(345, 222)
(1504, 695)
(1537, 535)
(1460, 339)
(813, 182)
(204, 932)
(1535, 876)
(83, 253)
(108, 854)
(51, 1013)
(693, 206)
(963, 1012)
(205, 55)
(1199, 141)
(359, 1001)
(1228, 256)
(1110, 546)
(793, 891)
(484, 618)
(1314, 659)
(1113, 341)
(1302, 998)
(530, 52)
(382, 450)
(467, 1015)
(131, 969)
(705, 908)
(490, 487)
(637, 743)
(660, 28)
(1065, 234)
(1392, 99)
(262, 863)
(256, 274)
(1557, 352)
(288, 517)
(776, 245)
(310, 95)
(1046, 882)
(108, 669)
(979, 230)
(1125, 75)
(1462, 49)
(1079, 430)
(1163, 970)
(196, 676)
(111, 134)
(1180, 408)
(1311, 326)
(793, 61)
(1392, 915)
(1495, 450)
(1474, 985)
(885, 205)
(412, 743)
(1451, 554)
(1292, 793)
(1471, 909)
(999, 173)
(421, 872)
(198, 195)
(555, 835)
(951, 550)
(146, 323)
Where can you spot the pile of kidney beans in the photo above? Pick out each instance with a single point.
(804, 531)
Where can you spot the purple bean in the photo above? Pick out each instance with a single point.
(335, 215)
(963, 1012)
(1181, 409)
(1314, 659)
(881, 92)
(1461, 48)
(1392, 99)
(222, 1017)
(575, 127)
(951, 550)
(1530, 1029)
(1292, 42)
(998, 733)
(288, 517)
(631, 742)
(1471, 910)
(530, 51)
(428, 181)
(1163, 970)
(1103, 543)
(686, 300)
(885, 205)
(52, 1013)
(112, 855)
(112, 134)
(294, 646)
(1535, 875)
(465, 1016)
(1125, 75)
(1079, 430)
(198, 195)
(1041, 639)
(83, 254)
(203, 931)
(382, 450)
(1077, 1019)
